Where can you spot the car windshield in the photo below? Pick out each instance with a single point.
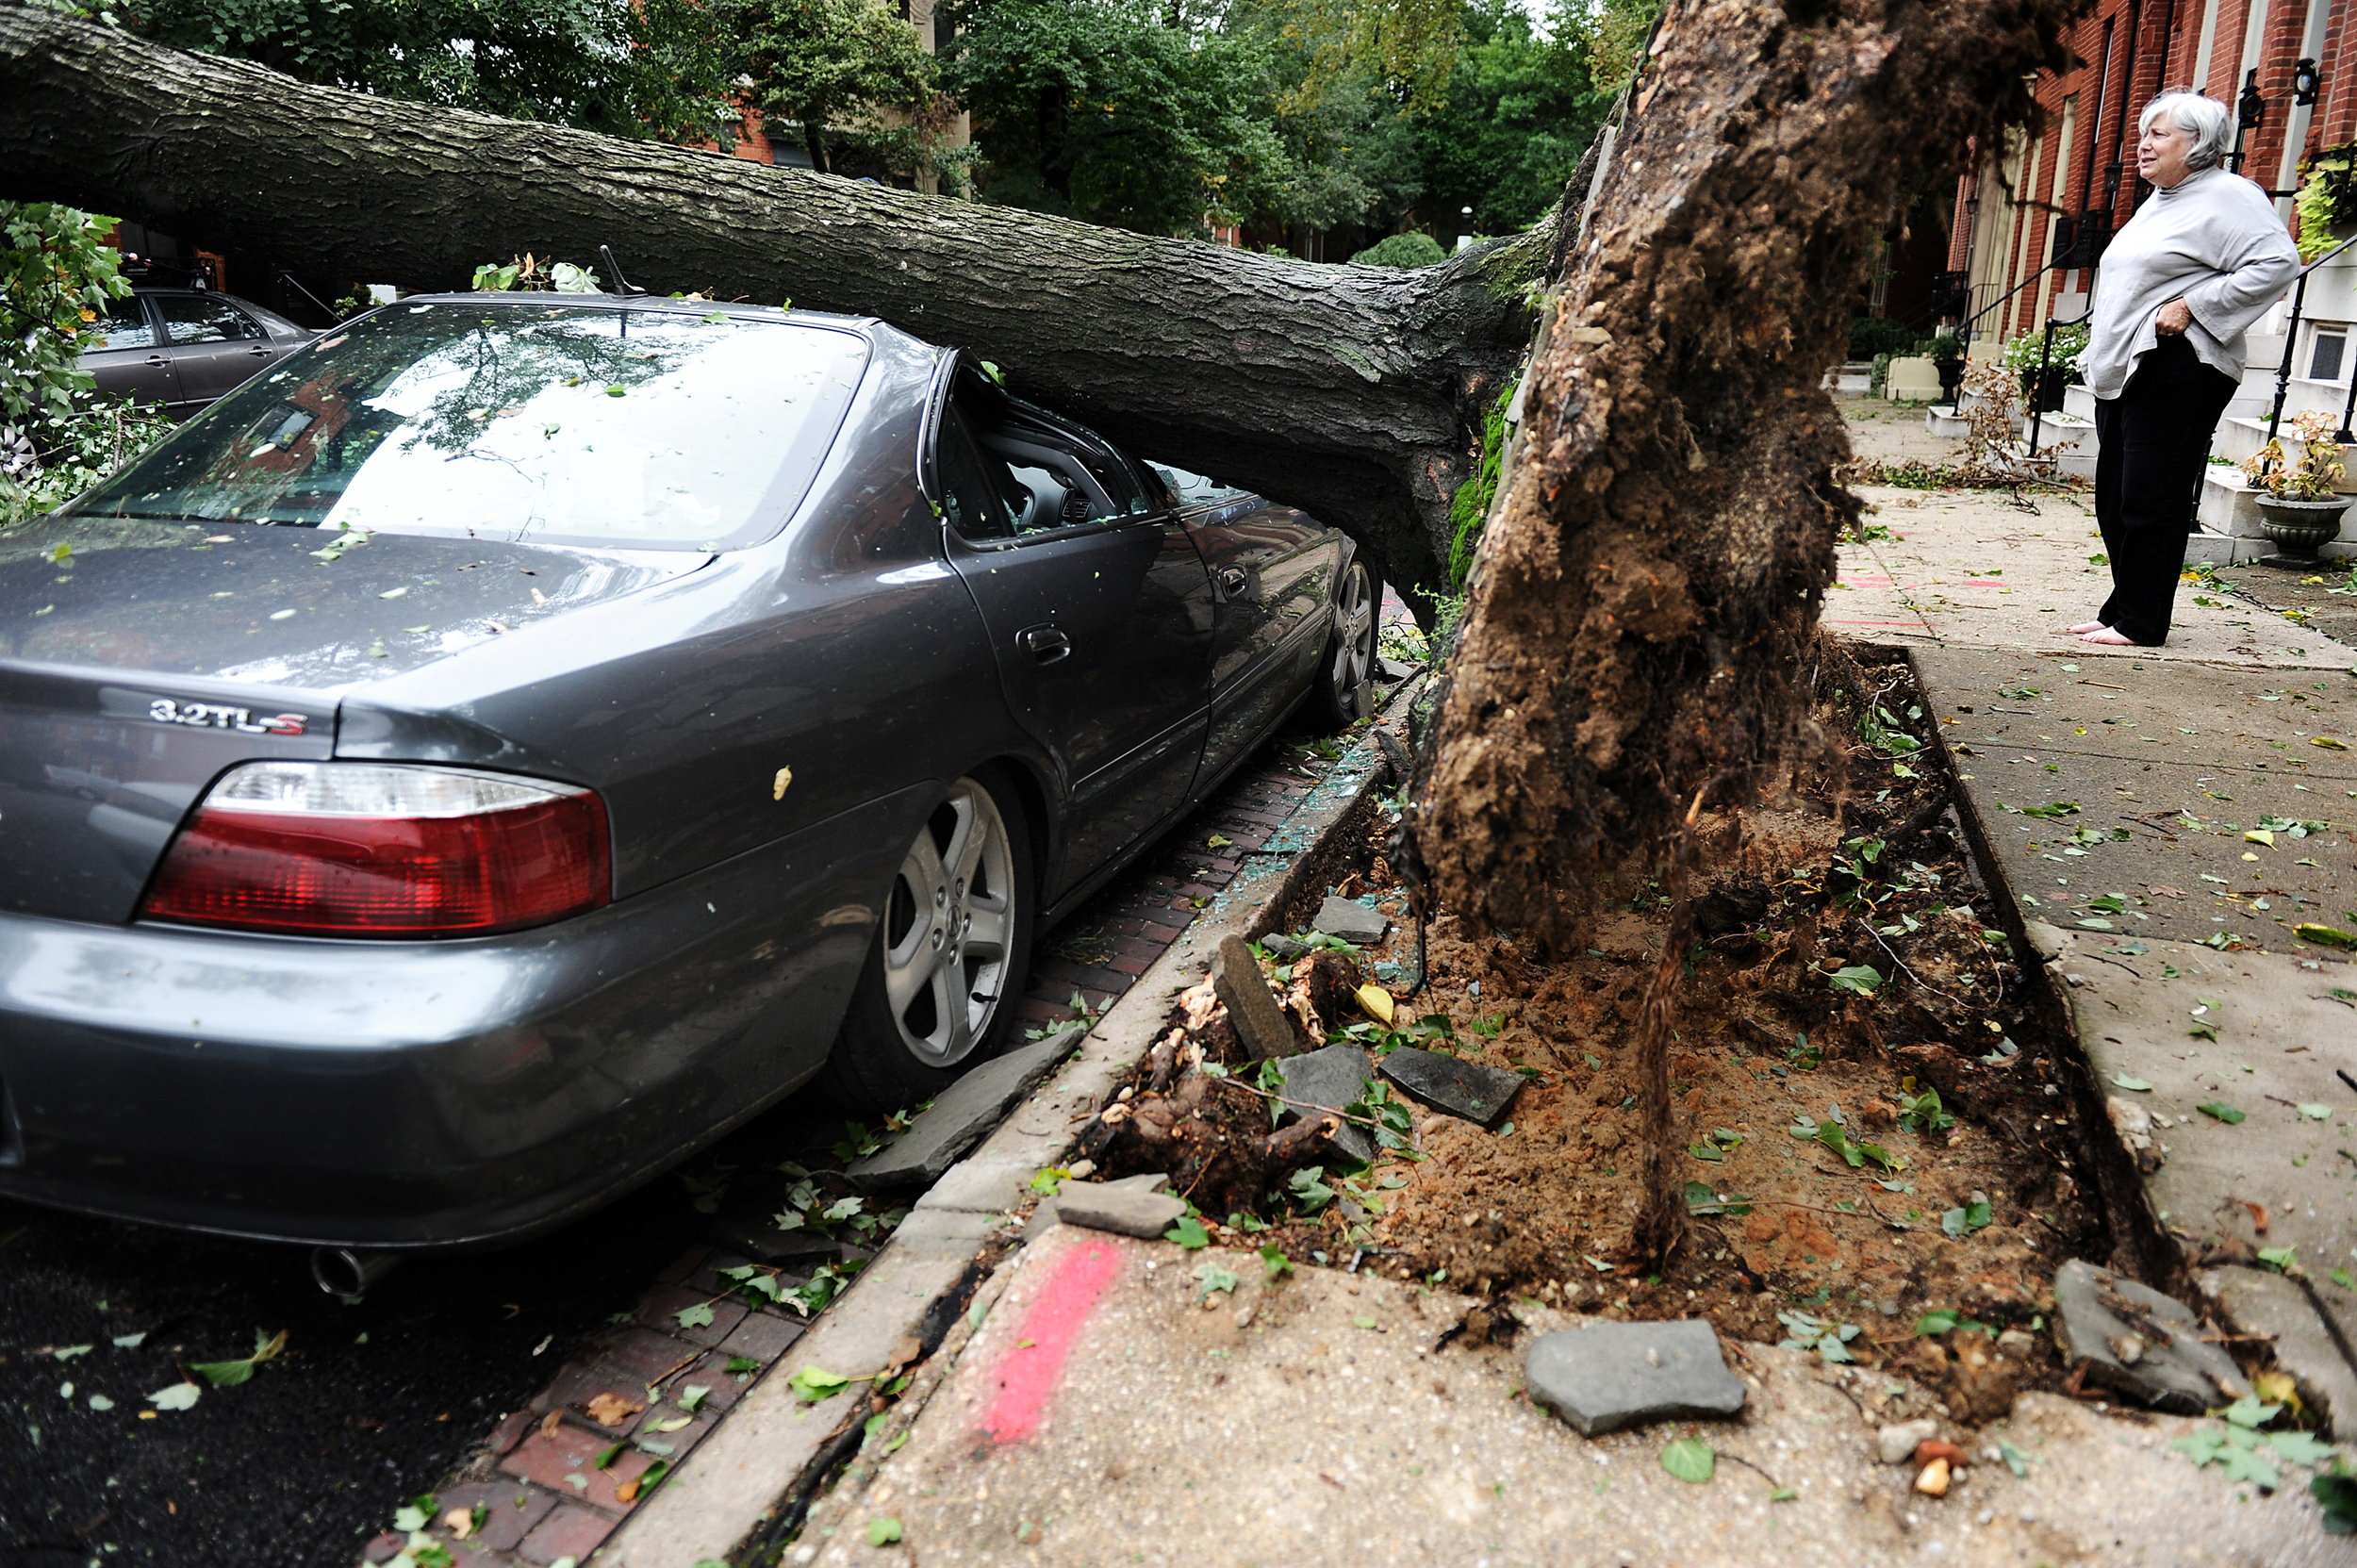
(561, 424)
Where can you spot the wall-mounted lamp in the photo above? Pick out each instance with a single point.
(2306, 80)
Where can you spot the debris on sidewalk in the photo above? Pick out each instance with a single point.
(2139, 1343)
(1330, 1079)
(960, 1115)
(1609, 1375)
(1480, 1095)
(1125, 1210)
(1242, 989)
(1348, 920)
(1896, 1443)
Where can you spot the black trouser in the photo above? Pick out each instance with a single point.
(2151, 443)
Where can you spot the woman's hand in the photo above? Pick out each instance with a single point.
(2174, 318)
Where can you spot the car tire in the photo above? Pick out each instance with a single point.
(1343, 693)
(944, 976)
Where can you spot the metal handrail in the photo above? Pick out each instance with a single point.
(2291, 346)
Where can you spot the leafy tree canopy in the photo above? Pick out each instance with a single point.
(1117, 111)
(634, 68)
(833, 62)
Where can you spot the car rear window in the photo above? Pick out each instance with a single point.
(561, 424)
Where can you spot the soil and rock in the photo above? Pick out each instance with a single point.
(1885, 1155)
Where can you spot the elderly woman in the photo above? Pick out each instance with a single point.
(2183, 280)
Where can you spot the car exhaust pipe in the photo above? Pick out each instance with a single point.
(349, 1271)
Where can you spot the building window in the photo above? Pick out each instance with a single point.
(2325, 358)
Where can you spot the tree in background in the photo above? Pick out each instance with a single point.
(634, 68)
(839, 63)
(56, 275)
(1123, 112)
(1521, 108)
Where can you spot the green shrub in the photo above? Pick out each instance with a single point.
(1873, 335)
(1946, 346)
(57, 438)
(1413, 249)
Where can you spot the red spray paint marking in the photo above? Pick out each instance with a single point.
(1027, 1375)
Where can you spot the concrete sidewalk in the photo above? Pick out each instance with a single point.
(2148, 810)
(1106, 1411)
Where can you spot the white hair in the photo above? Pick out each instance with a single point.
(2208, 121)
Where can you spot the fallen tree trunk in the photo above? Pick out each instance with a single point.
(1348, 391)
(1654, 564)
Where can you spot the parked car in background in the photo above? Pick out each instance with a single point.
(515, 739)
(184, 347)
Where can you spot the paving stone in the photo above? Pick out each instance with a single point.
(552, 1459)
(641, 1355)
(1466, 1089)
(1330, 1077)
(1123, 1211)
(661, 1309)
(2139, 1343)
(1351, 922)
(1277, 945)
(762, 1336)
(1260, 1024)
(505, 1525)
(1047, 1211)
(1895, 1445)
(960, 1114)
(571, 1532)
(1614, 1375)
(762, 1242)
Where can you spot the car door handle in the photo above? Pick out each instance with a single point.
(1047, 644)
(158, 359)
(1232, 583)
(259, 353)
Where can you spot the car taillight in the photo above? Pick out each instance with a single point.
(348, 848)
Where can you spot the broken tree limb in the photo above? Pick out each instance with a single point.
(1350, 392)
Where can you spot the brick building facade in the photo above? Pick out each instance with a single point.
(2074, 177)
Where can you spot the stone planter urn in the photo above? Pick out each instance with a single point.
(2297, 527)
(1950, 373)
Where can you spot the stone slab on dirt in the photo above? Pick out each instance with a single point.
(2140, 1343)
(1123, 1211)
(1348, 920)
(2169, 767)
(1608, 1375)
(1467, 1089)
(960, 1115)
(1260, 1022)
(1320, 1423)
(1329, 1078)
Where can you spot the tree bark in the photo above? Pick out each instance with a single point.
(1343, 389)
(1664, 533)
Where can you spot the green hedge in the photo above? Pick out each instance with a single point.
(1413, 249)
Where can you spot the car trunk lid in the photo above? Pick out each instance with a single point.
(138, 660)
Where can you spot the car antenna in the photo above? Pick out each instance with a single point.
(614, 267)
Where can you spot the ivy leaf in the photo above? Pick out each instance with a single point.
(1690, 1458)
(884, 1531)
(2221, 1112)
(1862, 980)
(1956, 1224)
(1188, 1232)
(697, 1317)
(814, 1383)
(179, 1397)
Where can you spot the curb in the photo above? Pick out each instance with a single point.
(770, 1446)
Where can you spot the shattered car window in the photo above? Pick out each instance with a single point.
(561, 424)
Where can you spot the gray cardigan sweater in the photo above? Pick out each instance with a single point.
(2213, 239)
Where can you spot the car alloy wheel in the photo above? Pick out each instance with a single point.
(949, 927)
(1353, 659)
